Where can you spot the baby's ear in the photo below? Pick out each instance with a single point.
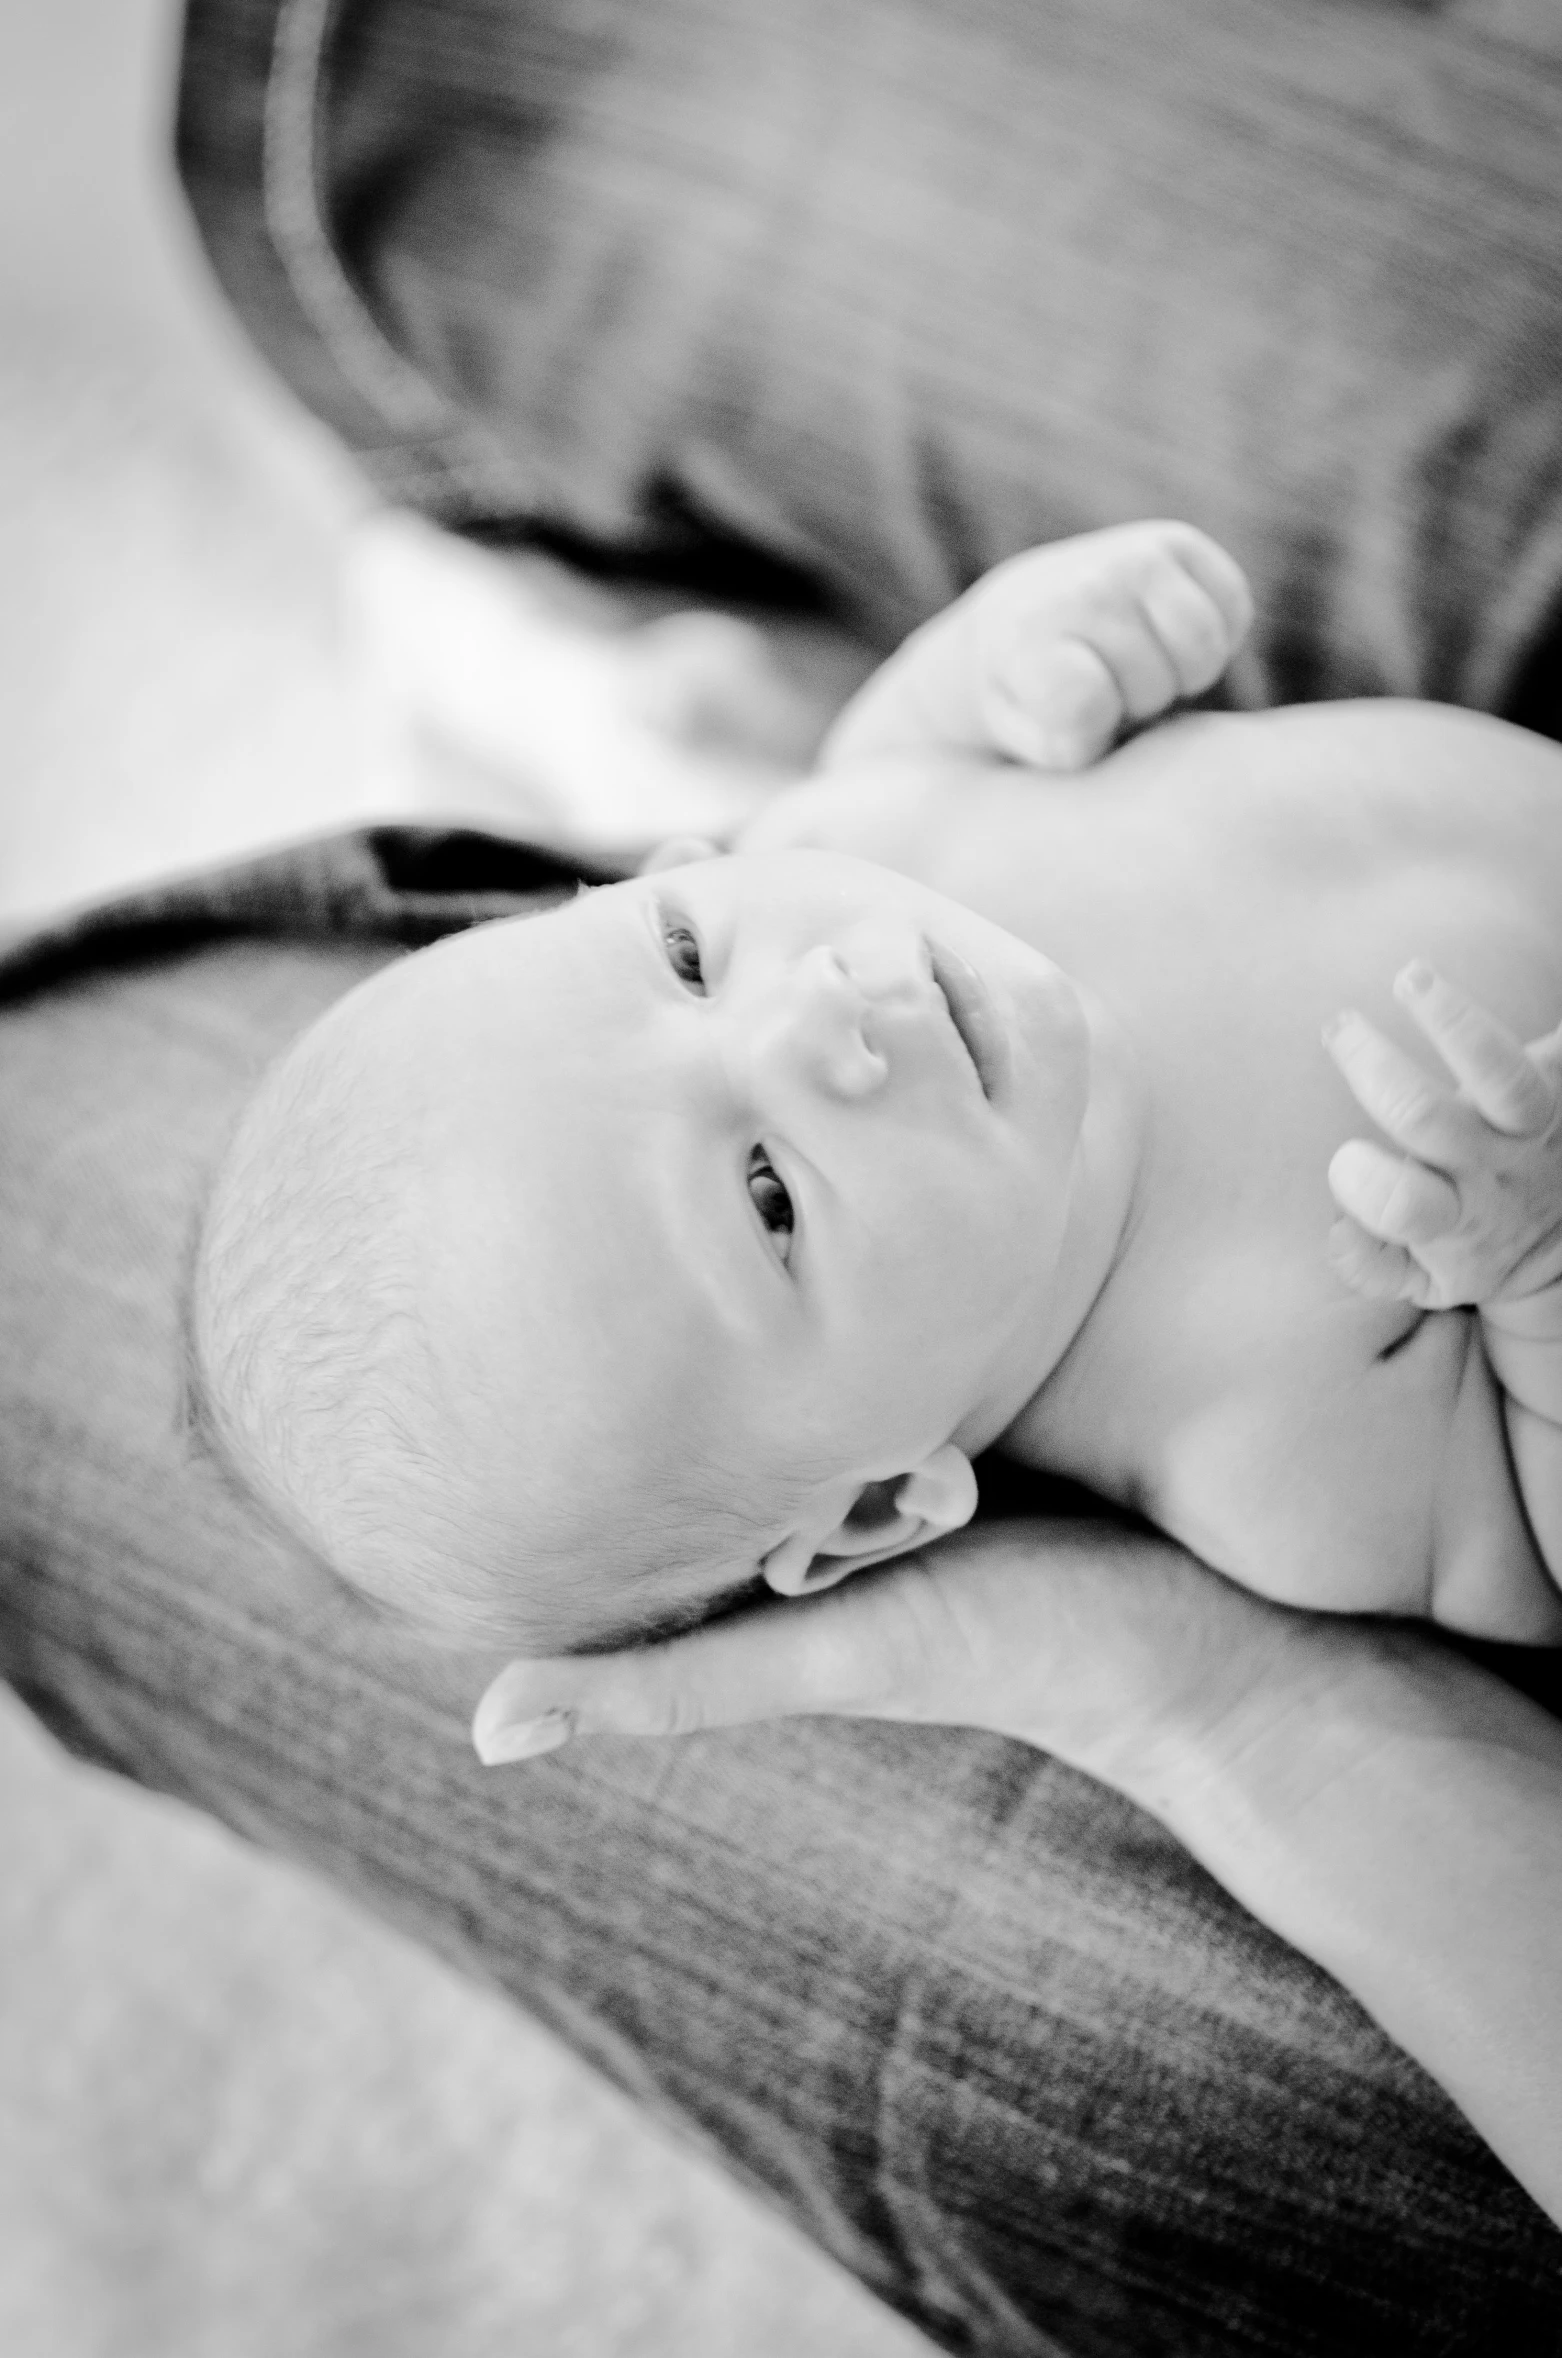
(885, 1519)
(679, 851)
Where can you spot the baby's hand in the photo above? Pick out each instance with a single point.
(1053, 654)
(1473, 1211)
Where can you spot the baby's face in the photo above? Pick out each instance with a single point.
(780, 1148)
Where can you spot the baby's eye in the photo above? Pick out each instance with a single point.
(771, 1200)
(683, 953)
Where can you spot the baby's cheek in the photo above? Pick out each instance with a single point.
(963, 1292)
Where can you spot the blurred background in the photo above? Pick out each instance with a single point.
(235, 2116)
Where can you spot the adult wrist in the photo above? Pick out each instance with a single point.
(1402, 1827)
(1341, 1707)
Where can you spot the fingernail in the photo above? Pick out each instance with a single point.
(522, 1739)
(1337, 1026)
(1417, 977)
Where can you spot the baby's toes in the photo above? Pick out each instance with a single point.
(1056, 704)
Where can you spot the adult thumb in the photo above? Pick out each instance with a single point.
(780, 1660)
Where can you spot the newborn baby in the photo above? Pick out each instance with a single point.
(574, 1273)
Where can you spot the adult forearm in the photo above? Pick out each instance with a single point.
(1387, 1809)
(1398, 1818)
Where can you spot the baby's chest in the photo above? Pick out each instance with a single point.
(1228, 941)
(1332, 1454)
(1285, 1431)
(1303, 1461)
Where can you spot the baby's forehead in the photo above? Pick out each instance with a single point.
(491, 1011)
(552, 1202)
(596, 943)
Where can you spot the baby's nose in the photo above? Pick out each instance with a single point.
(841, 1002)
(889, 963)
(822, 1023)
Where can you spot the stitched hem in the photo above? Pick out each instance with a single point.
(254, 108)
(290, 195)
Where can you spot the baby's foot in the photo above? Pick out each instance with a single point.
(1052, 655)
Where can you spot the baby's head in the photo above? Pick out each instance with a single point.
(573, 1274)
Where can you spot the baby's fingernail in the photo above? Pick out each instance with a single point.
(1417, 978)
(522, 1739)
(1337, 1026)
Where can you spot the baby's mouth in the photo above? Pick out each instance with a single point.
(973, 1015)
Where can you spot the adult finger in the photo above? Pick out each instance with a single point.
(1490, 1064)
(1400, 1202)
(830, 1654)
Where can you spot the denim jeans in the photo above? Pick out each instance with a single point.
(834, 303)
(852, 298)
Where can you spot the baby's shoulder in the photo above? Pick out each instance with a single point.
(1390, 781)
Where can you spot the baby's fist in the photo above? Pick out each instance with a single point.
(1130, 622)
(1054, 653)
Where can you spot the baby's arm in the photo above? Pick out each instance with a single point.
(1041, 666)
(1472, 1214)
(1051, 655)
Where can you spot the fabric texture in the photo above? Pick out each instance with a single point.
(859, 299)
(398, 886)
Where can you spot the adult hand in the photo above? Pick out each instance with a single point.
(1386, 1807)
(1113, 1650)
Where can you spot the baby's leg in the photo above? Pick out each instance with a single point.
(1053, 654)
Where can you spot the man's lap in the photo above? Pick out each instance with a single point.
(875, 295)
(984, 2029)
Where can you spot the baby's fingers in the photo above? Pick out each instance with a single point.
(1057, 706)
(1397, 1201)
(1413, 1109)
(1382, 1272)
(1197, 602)
(1497, 1074)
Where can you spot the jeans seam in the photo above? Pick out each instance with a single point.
(409, 402)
